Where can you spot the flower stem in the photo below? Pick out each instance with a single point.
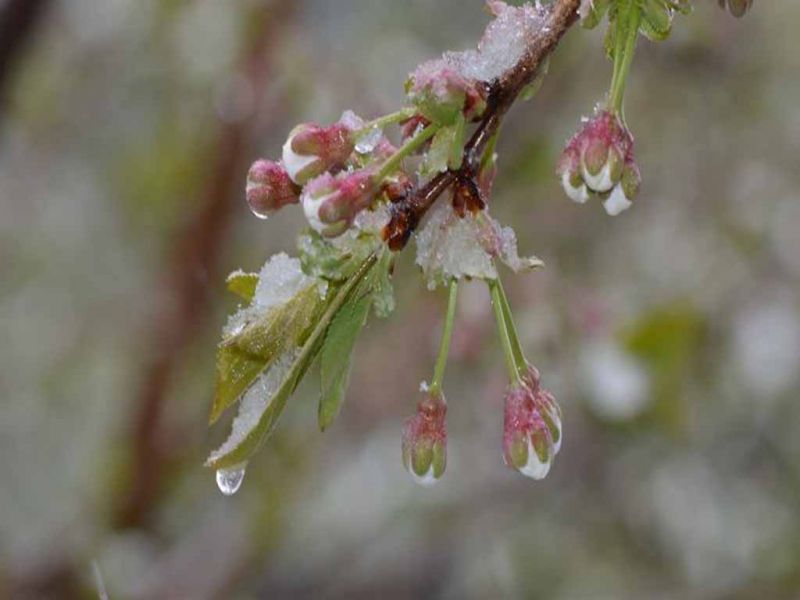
(505, 341)
(519, 356)
(627, 33)
(408, 148)
(381, 122)
(444, 345)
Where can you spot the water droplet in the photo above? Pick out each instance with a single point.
(368, 141)
(230, 480)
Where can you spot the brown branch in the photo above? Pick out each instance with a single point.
(195, 257)
(407, 212)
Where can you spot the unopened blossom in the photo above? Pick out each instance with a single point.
(531, 428)
(313, 149)
(599, 160)
(331, 203)
(737, 8)
(424, 443)
(269, 188)
(441, 92)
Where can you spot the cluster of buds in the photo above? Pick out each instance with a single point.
(531, 427)
(440, 93)
(737, 8)
(599, 160)
(329, 169)
(425, 439)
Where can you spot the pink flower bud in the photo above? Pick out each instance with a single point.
(532, 427)
(331, 203)
(269, 188)
(425, 440)
(313, 149)
(441, 92)
(595, 161)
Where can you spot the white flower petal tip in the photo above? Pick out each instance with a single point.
(427, 480)
(579, 194)
(617, 202)
(601, 182)
(294, 162)
(535, 468)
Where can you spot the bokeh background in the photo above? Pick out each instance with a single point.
(670, 334)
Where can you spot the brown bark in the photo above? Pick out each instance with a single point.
(407, 212)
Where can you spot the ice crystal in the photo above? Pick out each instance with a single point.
(449, 246)
(503, 43)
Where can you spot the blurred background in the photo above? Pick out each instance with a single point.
(670, 334)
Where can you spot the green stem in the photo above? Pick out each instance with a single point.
(516, 346)
(444, 345)
(505, 341)
(627, 33)
(381, 122)
(408, 148)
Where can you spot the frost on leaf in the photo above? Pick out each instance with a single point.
(503, 43)
(254, 404)
(449, 246)
(284, 306)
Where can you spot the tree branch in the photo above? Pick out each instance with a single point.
(408, 211)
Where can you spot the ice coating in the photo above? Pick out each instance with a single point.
(503, 43)
(279, 280)
(452, 247)
(254, 402)
(448, 246)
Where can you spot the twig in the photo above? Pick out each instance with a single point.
(408, 211)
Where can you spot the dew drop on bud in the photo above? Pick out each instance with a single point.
(261, 215)
(368, 141)
(230, 480)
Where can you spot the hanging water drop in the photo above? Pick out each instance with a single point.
(368, 141)
(230, 480)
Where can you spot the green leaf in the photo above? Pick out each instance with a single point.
(656, 20)
(243, 284)
(242, 358)
(310, 346)
(334, 262)
(440, 153)
(337, 351)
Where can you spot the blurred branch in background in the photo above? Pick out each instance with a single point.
(191, 262)
(18, 21)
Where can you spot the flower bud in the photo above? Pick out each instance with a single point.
(269, 188)
(737, 8)
(532, 427)
(330, 203)
(441, 92)
(313, 149)
(425, 440)
(597, 159)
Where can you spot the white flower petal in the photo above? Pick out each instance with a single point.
(602, 181)
(294, 162)
(534, 468)
(617, 202)
(577, 194)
